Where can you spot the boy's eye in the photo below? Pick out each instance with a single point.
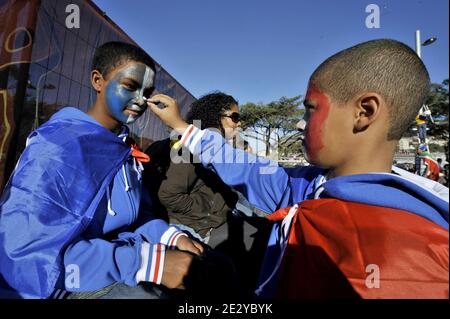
(130, 87)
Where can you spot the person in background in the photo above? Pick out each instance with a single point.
(421, 122)
(196, 199)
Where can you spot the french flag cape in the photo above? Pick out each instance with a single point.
(367, 236)
(63, 187)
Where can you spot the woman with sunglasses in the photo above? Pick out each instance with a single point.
(194, 198)
(230, 122)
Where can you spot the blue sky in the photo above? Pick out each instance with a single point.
(260, 50)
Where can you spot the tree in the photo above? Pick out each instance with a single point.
(438, 103)
(273, 121)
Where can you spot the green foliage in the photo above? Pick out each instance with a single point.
(283, 114)
(438, 103)
(274, 120)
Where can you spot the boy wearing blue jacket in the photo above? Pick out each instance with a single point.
(73, 216)
(352, 212)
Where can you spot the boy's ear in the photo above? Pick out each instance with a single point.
(367, 110)
(97, 81)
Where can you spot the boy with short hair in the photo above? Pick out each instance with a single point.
(73, 215)
(359, 227)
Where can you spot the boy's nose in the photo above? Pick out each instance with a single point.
(301, 125)
(141, 100)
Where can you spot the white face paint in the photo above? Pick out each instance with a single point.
(125, 92)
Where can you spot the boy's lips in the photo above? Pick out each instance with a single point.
(135, 110)
(131, 112)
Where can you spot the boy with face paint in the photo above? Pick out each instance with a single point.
(353, 225)
(73, 215)
(118, 95)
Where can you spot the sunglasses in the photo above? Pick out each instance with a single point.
(235, 117)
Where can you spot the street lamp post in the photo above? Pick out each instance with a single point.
(424, 108)
(425, 43)
(418, 51)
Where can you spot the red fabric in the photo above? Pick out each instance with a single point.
(136, 151)
(433, 168)
(140, 156)
(279, 214)
(331, 243)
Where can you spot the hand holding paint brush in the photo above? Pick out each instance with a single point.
(158, 104)
(169, 114)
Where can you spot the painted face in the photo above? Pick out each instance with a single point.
(329, 133)
(317, 105)
(229, 124)
(126, 92)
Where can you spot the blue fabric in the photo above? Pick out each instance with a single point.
(101, 262)
(42, 201)
(389, 190)
(54, 208)
(302, 182)
(191, 231)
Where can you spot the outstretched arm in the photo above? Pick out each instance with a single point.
(263, 182)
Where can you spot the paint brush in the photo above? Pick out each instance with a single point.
(161, 105)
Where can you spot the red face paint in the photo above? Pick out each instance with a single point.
(316, 121)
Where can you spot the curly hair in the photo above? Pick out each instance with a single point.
(209, 108)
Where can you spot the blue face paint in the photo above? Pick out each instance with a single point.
(125, 92)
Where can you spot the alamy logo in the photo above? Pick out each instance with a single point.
(72, 276)
(373, 279)
(373, 19)
(73, 19)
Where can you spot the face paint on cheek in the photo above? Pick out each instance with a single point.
(146, 76)
(147, 81)
(119, 100)
(316, 122)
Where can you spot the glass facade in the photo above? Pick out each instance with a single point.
(44, 66)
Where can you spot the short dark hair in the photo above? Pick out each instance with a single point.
(209, 109)
(387, 67)
(111, 55)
